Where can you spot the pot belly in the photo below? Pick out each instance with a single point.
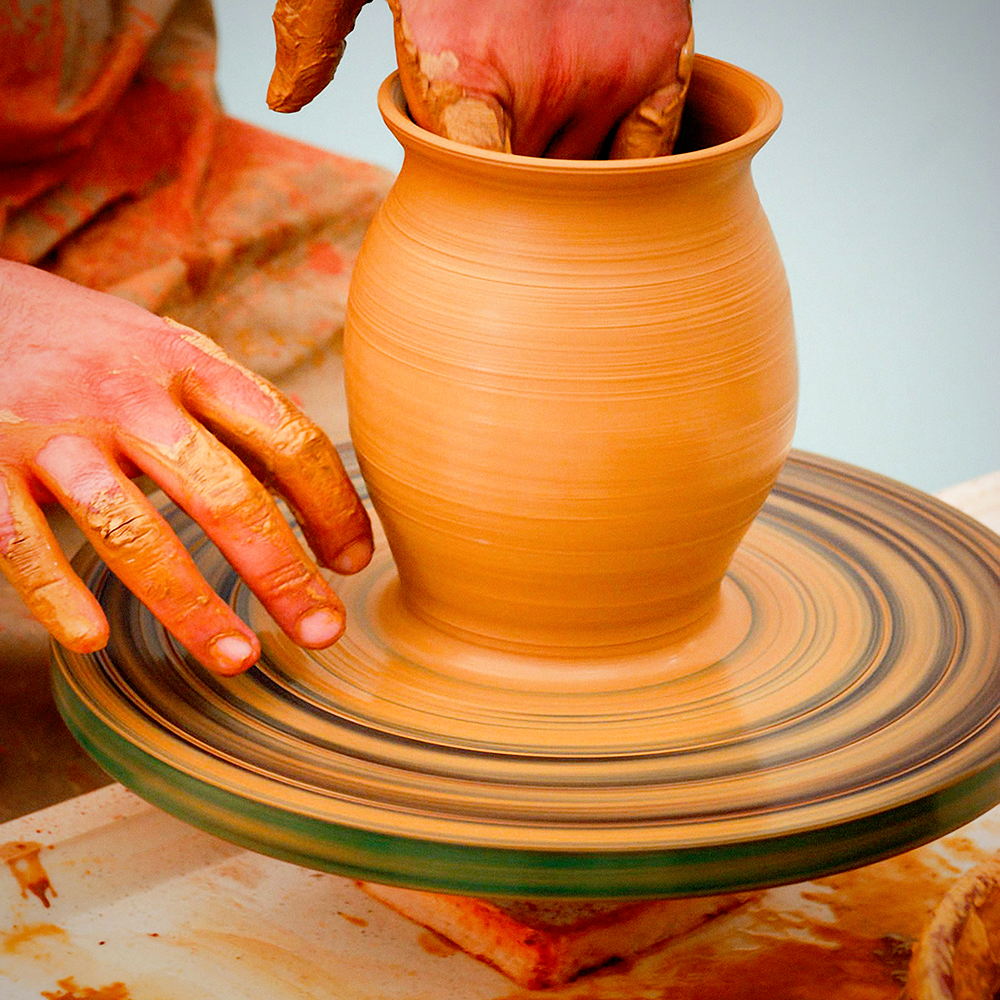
(554, 468)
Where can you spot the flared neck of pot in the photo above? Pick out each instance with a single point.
(729, 114)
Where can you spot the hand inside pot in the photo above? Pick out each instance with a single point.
(94, 389)
(562, 78)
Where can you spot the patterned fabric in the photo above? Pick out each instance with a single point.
(120, 171)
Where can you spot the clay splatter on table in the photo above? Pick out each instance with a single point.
(436, 945)
(22, 934)
(68, 990)
(22, 858)
(844, 937)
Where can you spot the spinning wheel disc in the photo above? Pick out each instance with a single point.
(858, 716)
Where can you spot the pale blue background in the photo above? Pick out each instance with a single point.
(881, 185)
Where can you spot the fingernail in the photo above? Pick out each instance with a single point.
(353, 557)
(319, 628)
(231, 652)
(83, 635)
(90, 640)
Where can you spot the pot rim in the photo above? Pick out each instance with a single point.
(766, 102)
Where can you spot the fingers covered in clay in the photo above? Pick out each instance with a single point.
(440, 96)
(103, 390)
(651, 128)
(560, 78)
(563, 78)
(310, 41)
(141, 550)
(239, 515)
(36, 567)
(282, 447)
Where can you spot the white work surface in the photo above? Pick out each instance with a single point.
(140, 898)
(176, 914)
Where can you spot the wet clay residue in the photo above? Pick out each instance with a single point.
(351, 919)
(963, 847)
(436, 945)
(895, 896)
(848, 937)
(68, 990)
(22, 859)
(21, 934)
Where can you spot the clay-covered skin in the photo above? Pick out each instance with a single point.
(309, 37)
(94, 390)
(573, 383)
(561, 78)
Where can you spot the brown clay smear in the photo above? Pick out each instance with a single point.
(956, 957)
(68, 990)
(895, 896)
(13, 940)
(22, 858)
(440, 105)
(963, 846)
(651, 128)
(436, 945)
(35, 565)
(860, 951)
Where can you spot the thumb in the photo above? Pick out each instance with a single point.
(438, 103)
(310, 42)
(651, 128)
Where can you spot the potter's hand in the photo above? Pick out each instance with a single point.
(564, 78)
(94, 389)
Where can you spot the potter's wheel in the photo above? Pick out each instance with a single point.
(859, 716)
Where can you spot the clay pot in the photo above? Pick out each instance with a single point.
(958, 954)
(572, 384)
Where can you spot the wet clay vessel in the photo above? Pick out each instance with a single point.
(572, 384)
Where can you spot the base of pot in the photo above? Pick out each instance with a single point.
(385, 621)
(674, 649)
